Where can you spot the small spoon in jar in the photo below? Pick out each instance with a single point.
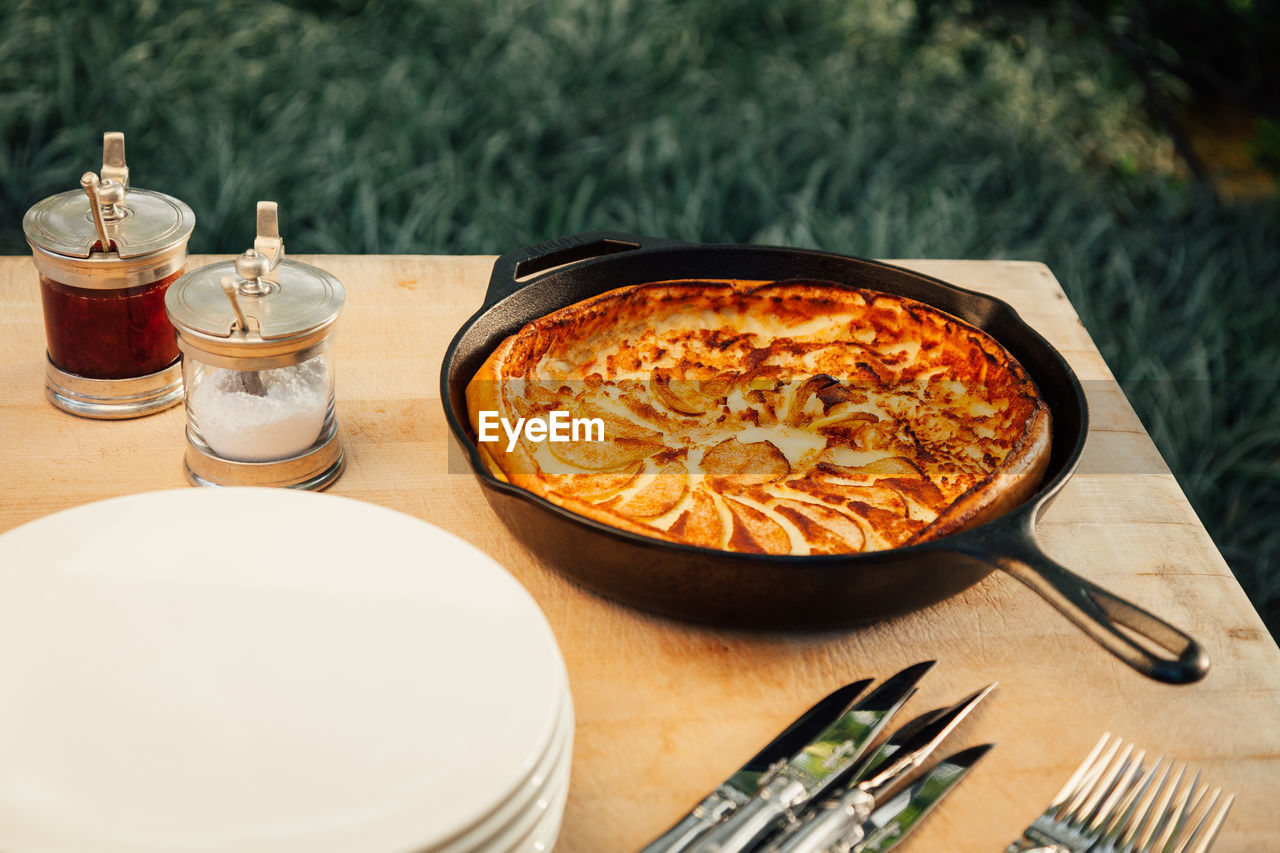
(249, 378)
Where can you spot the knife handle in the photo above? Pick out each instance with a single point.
(755, 819)
(838, 819)
(814, 834)
(689, 828)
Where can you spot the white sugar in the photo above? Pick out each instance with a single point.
(282, 422)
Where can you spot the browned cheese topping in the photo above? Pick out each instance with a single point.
(780, 418)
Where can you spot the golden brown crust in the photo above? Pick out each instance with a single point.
(772, 417)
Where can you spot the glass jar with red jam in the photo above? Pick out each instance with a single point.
(105, 255)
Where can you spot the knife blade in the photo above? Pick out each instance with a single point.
(888, 766)
(811, 771)
(791, 834)
(745, 781)
(890, 823)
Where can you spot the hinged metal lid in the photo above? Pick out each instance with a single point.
(264, 299)
(129, 223)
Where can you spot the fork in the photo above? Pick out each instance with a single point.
(1112, 805)
(1172, 817)
(1087, 804)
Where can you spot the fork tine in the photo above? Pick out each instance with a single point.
(1134, 831)
(1089, 783)
(1122, 816)
(1120, 793)
(1077, 778)
(1157, 810)
(1113, 803)
(1209, 823)
(1183, 841)
(1201, 793)
(1212, 833)
(1106, 785)
(1174, 818)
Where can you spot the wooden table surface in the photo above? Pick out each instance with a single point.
(666, 710)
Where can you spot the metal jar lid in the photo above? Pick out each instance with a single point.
(141, 235)
(259, 306)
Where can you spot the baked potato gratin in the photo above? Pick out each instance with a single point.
(790, 417)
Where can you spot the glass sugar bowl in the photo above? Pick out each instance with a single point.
(256, 336)
(106, 254)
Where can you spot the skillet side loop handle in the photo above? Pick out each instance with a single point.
(1102, 614)
(513, 270)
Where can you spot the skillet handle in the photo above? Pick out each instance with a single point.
(1102, 614)
(513, 270)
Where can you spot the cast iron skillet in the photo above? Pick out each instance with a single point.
(762, 591)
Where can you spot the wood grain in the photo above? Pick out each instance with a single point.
(666, 710)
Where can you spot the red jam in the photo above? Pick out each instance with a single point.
(108, 334)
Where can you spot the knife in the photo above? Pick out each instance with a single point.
(890, 823)
(891, 746)
(811, 771)
(833, 819)
(740, 787)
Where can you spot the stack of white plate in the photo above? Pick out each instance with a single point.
(270, 670)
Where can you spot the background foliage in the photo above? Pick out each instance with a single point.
(863, 127)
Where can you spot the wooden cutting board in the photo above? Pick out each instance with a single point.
(666, 710)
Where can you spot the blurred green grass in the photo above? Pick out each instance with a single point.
(476, 127)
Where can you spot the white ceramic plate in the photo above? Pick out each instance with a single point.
(527, 805)
(261, 670)
(511, 825)
(539, 833)
(547, 831)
